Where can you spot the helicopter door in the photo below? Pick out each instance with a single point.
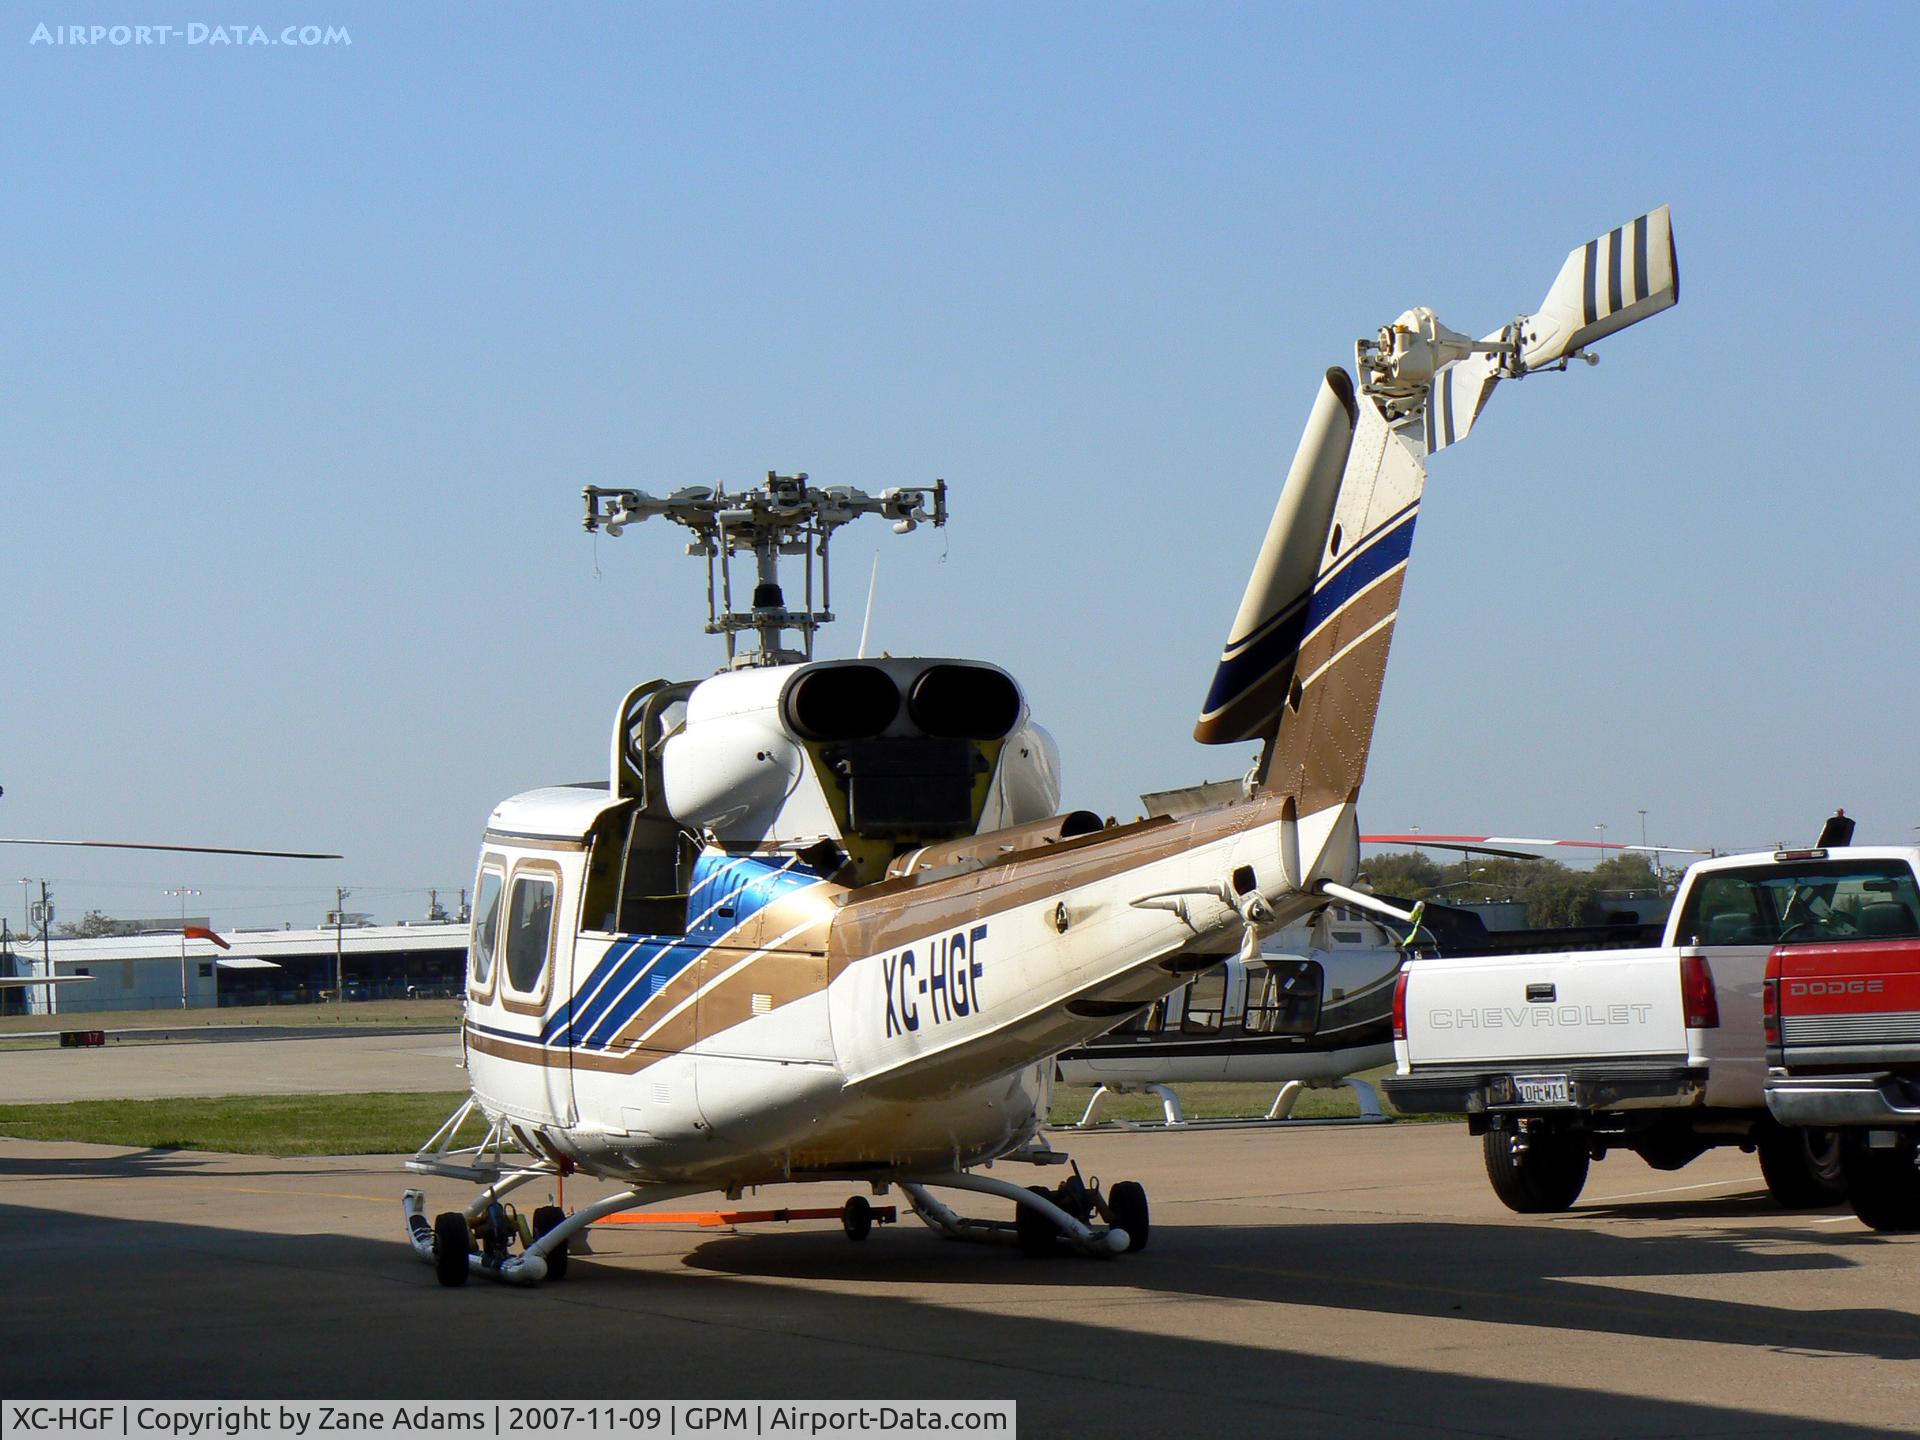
(536, 956)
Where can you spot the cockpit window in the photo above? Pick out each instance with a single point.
(529, 932)
(486, 927)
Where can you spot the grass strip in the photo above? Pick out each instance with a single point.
(378, 1123)
(398, 1122)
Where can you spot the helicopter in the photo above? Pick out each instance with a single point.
(825, 919)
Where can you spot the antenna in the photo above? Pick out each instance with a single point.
(785, 516)
(873, 588)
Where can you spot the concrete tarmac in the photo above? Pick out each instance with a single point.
(1321, 1281)
(306, 1062)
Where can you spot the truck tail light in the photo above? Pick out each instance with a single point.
(1697, 997)
(1400, 1005)
(1770, 1000)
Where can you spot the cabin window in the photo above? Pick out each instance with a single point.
(1283, 997)
(529, 931)
(1204, 1001)
(486, 926)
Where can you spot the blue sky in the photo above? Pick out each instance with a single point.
(311, 350)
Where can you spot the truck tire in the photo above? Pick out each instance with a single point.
(1883, 1186)
(1801, 1167)
(1544, 1174)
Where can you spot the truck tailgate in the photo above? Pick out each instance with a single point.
(1601, 1004)
(1849, 1004)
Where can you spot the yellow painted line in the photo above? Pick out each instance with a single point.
(1578, 1302)
(312, 1194)
(1669, 1190)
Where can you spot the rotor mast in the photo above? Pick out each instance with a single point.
(785, 516)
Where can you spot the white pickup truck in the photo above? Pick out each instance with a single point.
(1556, 1059)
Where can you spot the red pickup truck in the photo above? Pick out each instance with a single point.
(1843, 1037)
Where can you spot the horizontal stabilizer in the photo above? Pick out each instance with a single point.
(1606, 285)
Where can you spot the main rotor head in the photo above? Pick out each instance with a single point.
(785, 516)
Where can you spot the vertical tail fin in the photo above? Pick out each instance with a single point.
(1257, 666)
(1318, 750)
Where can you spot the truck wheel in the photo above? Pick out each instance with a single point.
(1883, 1186)
(1535, 1171)
(1801, 1167)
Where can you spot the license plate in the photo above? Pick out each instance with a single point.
(1542, 1090)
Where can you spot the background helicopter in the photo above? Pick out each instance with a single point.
(1315, 1006)
(825, 921)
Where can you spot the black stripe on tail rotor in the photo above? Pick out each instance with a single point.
(1640, 258)
(1614, 243)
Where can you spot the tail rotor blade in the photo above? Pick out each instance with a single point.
(1611, 282)
(1459, 395)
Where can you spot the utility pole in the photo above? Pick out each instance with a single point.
(45, 913)
(183, 892)
(339, 960)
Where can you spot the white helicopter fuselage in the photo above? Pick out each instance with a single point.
(824, 920)
(813, 1031)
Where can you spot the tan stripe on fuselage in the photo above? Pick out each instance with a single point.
(872, 926)
(1320, 755)
(1360, 614)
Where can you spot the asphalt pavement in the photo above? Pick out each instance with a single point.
(1315, 1281)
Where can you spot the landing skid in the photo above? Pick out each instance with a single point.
(1280, 1111)
(490, 1239)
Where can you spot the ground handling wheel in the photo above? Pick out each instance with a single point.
(545, 1219)
(1801, 1167)
(1535, 1171)
(1073, 1196)
(856, 1218)
(1036, 1231)
(1127, 1208)
(452, 1242)
(1883, 1186)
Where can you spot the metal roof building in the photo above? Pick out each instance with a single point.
(262, 967)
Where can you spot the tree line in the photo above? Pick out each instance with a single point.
(1554, 894)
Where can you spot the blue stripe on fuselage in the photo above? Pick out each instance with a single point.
(1389, 546)
(636, 968)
